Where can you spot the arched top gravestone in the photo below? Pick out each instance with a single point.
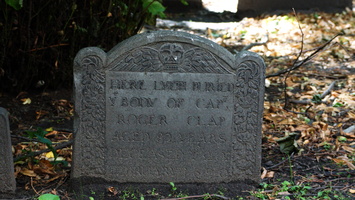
(168, 106)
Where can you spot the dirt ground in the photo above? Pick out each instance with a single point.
(321, 169)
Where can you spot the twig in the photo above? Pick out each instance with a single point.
(309, 101)
(330, 88)
(263, 42)
(25, 138)
(288, 71)
(36, 153)
(297, 63)
(52, 46)
(280, 163)
(338, 179)
(349, 129)
(34, 189)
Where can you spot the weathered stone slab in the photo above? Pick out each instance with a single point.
(168, 106)
(7, 177)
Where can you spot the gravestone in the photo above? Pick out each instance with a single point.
(168, 106)
(7, 177)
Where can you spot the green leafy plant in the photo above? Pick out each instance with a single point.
(323, 194)
(48, 197)
(154, 7)
(327, 146)
(260, 193)
(342, 139)
(297, 191)
(16, 4)
(317, 98)
(131, 194)
(337, 104)
(39, 135)
(173, 187)
(300, 191)
(174, 191)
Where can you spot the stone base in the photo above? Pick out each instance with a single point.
(98, 188)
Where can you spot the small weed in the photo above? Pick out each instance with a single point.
(324, 194)
(337, 105)
(153, 192)
(174, 191)
(173, 187)
(295, 191)
(342, 139)
(260, 194)
(327, 146)
(131, 194)
(39, 135)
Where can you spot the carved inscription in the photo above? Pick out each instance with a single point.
(168, 106)
(165, 119)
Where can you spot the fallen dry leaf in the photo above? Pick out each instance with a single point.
(26, 101)
(28, 172)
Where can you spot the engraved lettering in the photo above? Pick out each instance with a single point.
(138, 102)
(127, 84)
(174, 103)
(131, 137)
(170, 85)
(164, 137)
(209, 87)
(205, 121)
(210, 103)
(155, 120)
(217, 87)
(196, 86)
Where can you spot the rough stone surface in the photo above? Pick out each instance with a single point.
(7, 177)
(168, 107)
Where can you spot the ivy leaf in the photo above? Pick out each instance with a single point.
(154, 7)
(16, 4)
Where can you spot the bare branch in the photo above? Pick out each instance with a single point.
(36, 153)
(309, 101)
(294, 63)
(297, 64)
